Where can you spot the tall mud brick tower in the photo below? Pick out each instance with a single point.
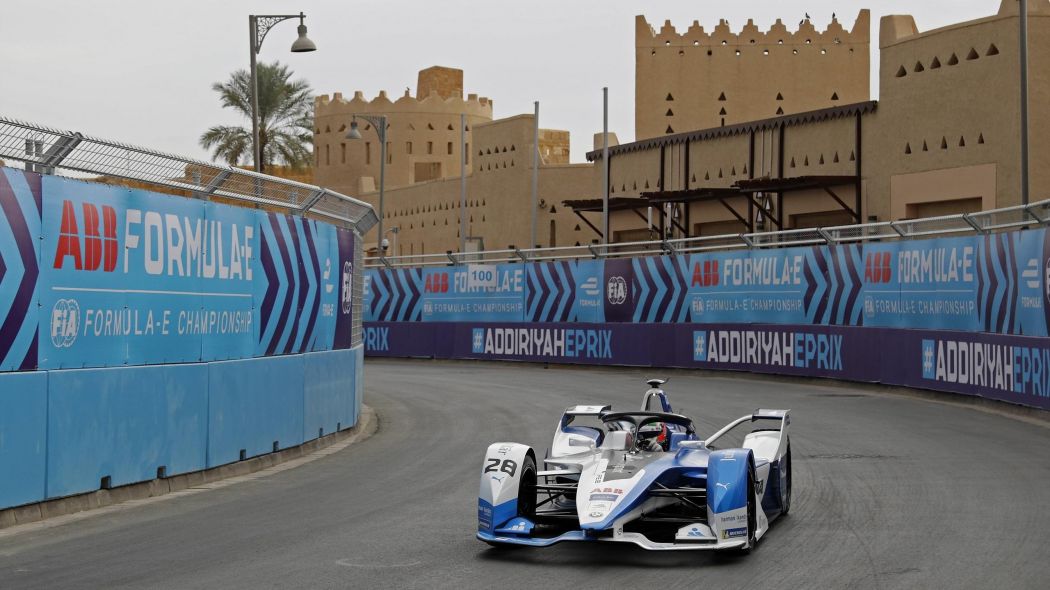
(699, 80)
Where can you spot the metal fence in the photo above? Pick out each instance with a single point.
(1022, 216)
(44, 150)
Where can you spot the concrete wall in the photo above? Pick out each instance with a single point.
(62, 432)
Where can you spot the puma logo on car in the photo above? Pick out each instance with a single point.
(724, 486)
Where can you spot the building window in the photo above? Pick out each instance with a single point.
(327, 152)
(450, 148)
(430, 147)
(389, 154)
(343, 148)
(408, 147)
(466, 154)
(368, 152)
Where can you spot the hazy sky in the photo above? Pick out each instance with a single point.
(140, 71)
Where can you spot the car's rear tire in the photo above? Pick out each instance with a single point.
(785, 482)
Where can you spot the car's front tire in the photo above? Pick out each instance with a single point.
(526, 497)
(785, 482)
(752, 512)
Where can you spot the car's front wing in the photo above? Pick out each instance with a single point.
(622, 537)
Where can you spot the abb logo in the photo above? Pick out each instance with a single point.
(98, 246)
(877, 268)
(436, 283)
(706, 275)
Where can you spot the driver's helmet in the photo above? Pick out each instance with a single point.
(657, 430)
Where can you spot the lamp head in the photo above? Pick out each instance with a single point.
(354, 132)
(303, 44)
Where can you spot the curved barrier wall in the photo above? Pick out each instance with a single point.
(963, 314)
(145, 335)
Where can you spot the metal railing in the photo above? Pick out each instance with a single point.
(1032, 215)
(44, 149)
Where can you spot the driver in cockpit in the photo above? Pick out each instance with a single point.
(653, 437)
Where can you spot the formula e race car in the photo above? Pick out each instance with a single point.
(640, 477)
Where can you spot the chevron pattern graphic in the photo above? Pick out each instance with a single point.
(19, 231)
(395, 295)
(834, 285)
(550, 291)
(293, 255)
(660, 285)
(997, 283)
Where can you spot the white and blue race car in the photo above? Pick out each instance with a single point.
(641, 477)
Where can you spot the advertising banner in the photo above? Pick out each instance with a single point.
(811, 351)
(19, 268)
(749, 287)
(134, 277)
(567, 291)
(128, 276)
(601, 344)
(931, 284)
(1015, 369)
(474, 293)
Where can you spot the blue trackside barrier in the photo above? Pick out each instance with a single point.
(23, 445)
(253, 404)
(66, 430)
(124, 424)
(145, 335)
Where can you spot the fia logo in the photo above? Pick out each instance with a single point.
(477, 345)
(348, 281)
(700, 346)
(616, 291)
(929, 359)
(65, 322)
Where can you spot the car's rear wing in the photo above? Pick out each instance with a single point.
(587, 410)
(768, 439)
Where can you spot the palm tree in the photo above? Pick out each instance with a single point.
(285, 119)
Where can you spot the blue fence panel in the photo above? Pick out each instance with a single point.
(23, 440)
(252, 404)
(358, 382)
(328, 392)
(124, 423)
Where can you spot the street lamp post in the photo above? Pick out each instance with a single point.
(258, 26)
(379, 123)
(1025, 161)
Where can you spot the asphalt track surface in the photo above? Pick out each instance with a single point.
(890, 491)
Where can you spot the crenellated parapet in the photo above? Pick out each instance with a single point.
(336, 104)
(423, 135)
(750, 34)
